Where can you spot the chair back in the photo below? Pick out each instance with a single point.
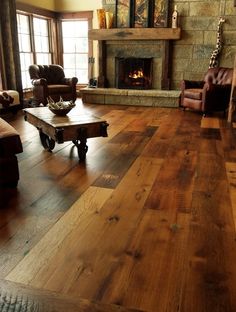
(54, 74)
(219, 75)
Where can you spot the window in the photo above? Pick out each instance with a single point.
(41, 41)
(75, 49)
(34, 43)
(26, 55)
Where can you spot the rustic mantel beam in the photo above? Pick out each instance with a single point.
(135, 34)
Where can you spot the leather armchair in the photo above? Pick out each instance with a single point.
(49, 80)
(209, 95)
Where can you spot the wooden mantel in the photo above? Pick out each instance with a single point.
(135, 34)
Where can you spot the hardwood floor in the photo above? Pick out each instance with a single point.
(147, 223)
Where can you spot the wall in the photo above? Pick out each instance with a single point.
(65, 5)
(45, 4)
(198, 21)
(72, 5)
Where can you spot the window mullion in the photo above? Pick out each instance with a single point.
(32, 38)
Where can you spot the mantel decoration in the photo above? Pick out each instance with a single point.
(214, 60)
(109, 19)
(160, 13)
(141, 13)
(101, 18)
(123, 13)
(174, 21)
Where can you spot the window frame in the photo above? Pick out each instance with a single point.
(50, 46)
(30, 16)
(79, 16)
(31, 11)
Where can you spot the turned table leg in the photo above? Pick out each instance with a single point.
(81, 145)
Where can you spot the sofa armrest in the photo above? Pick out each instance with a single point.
(215, 96)
(70, 81)
(39, 82)
(191, 84)
(217, 88)
(10, 142)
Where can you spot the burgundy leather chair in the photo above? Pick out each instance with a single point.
(209, 95)
(49, 80)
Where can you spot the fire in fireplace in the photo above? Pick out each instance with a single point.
(133, 73)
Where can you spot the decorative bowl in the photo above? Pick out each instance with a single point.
(60, 111)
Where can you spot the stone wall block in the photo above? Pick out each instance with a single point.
(229, 38)
(204, 8)
(199, 23)
(230, 9)
(191, 37)
(202, 51)
(183, 51)
(210, 37)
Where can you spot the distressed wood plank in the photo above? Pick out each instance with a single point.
(134, 34)
(88, 204)
(19, 298)
(154, 259)
(110, 229)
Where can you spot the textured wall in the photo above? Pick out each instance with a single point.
(73, 5)
(198, 21)
(45, 4)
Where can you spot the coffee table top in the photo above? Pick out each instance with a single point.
(74, 117)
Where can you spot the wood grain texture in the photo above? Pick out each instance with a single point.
(19, 298)
(135, 34)
(146, 223)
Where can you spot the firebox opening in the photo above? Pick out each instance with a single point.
(134, 73)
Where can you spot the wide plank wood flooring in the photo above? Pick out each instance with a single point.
(146, 223)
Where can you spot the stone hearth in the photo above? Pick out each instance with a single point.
(160, 98)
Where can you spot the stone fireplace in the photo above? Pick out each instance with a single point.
(133, 73)
(116, 45)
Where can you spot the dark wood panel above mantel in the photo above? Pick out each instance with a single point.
(135, 34)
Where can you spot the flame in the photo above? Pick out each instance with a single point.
(136, 74)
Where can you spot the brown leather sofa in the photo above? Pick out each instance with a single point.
(10, 145)
(49, 80)
(209, 95)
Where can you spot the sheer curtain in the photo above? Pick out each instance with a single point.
(10, 70)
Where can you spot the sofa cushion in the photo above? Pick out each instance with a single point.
(195, 94)
(59, 89)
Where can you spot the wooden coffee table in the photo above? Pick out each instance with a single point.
(75, 127)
